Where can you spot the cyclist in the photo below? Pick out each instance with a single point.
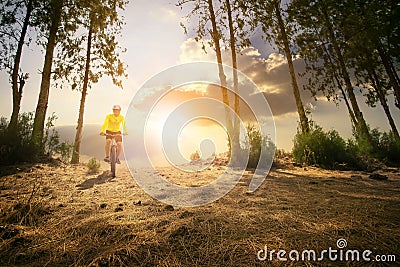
(112, 125)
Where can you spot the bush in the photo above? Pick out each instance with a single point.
(16, 145)
(64, 150)
(318, 147)
(329, 150)
(255, 142)
(388, 147)
(195, 156)
(51, 142)
(93, 166)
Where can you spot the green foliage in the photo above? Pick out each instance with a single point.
(387, 147)
(202, 30)
(101, 19)
(51, 137)
(330, 150)
(52, 144)
(17, 146)
(318, 147)
(255, 142)
(93, 166)
(64, 150)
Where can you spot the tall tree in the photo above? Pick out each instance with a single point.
(330, 62)
(391, 72)
(82, 65)
(79, 128)
(216, 36)
(380, 21)
(368, 31)
(329, 85)
(277, 29)
(321, 67)
(230, 29)
(9, 13)
(380, 92)
(205, 12)
(362, 125)
(320, 28)
(232, 42)
(54, 14)
(370, 76)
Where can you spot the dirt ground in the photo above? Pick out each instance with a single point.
(59, 215)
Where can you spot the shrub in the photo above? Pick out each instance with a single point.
(16, 145)
(385, 148)
(52, 144)
(195, 156)
(93, 166)
(329, 150)
(318, 147)
(64, 150)
(388, 147)
(255, 142)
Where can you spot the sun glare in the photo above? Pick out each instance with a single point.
(189, 133)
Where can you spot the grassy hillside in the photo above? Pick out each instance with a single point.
(58, 215)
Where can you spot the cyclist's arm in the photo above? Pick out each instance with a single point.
(124, 126)
(105, 124)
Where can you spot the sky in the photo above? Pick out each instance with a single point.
(155, 41)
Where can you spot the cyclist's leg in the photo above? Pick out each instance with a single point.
(107, 148)
(119, 146)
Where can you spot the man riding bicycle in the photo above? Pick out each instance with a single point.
(112, 126)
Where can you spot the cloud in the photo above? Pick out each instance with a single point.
(271, 74)
(158, 12)
(193, 51)
(169, 13)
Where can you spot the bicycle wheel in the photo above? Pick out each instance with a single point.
(113, 160)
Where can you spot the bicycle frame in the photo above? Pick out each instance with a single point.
(113, 152)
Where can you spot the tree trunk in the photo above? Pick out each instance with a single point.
(79, 128)
(393, 78)
(236, 125)
(377, 85)
(17, 91)
(361, 127)
(336, 76)
(351, 113)
(392, 124)
(222, 76)
(300, 108)
(41, 108)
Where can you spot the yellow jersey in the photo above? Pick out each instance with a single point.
(113, 123)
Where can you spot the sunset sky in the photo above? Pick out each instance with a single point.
(154, 42)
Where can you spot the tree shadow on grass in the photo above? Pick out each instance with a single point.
(100, 179)
(15, 169)
(28, 166)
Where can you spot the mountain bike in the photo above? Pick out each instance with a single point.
(113, 153)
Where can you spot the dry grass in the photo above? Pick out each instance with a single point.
(61, 216)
